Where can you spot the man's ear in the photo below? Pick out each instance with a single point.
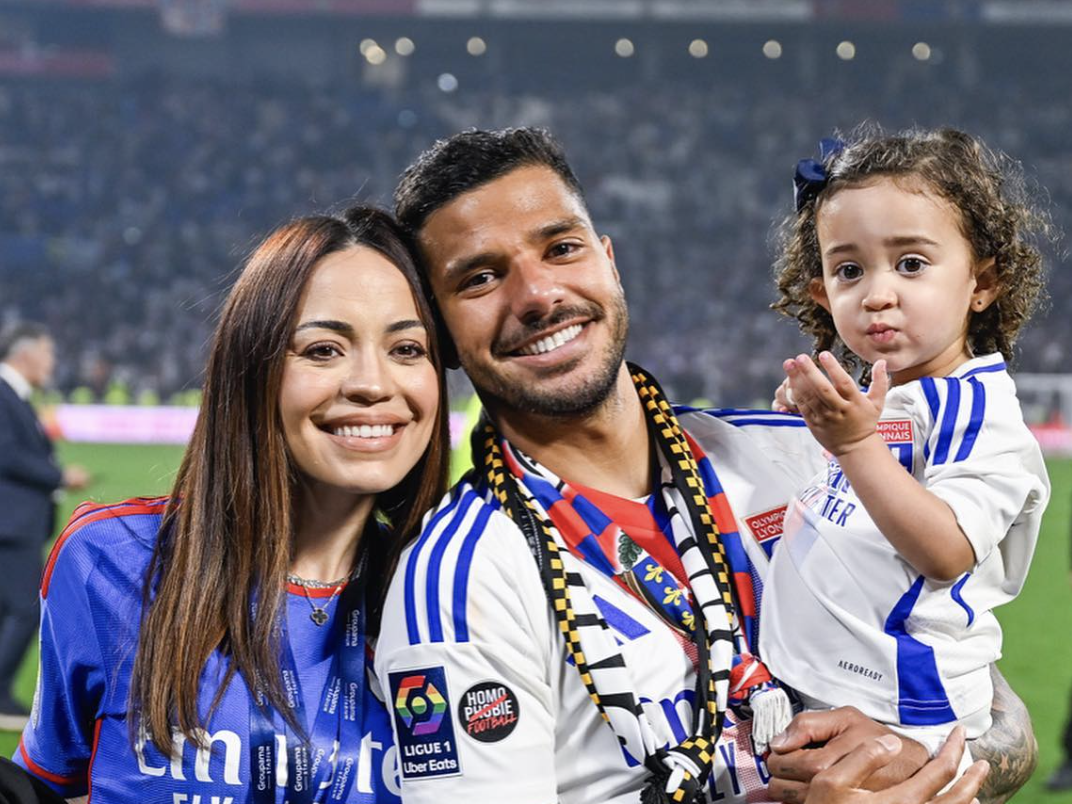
(987, 286)
(608, 247)
(817, 291)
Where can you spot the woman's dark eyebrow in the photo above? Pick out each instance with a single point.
(408, 323)
(345, 329)
(335, 326)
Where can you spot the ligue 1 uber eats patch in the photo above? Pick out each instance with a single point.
(421, 705)
(488, 711)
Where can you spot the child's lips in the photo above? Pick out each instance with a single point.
(881, 333)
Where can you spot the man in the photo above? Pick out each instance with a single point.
(574, 623)
(29, 476)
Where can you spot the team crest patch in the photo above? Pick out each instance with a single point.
(898, 435)
(488, 711)
(896, 431)
(421, 705)
(766, 527)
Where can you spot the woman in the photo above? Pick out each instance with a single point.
(199, 646)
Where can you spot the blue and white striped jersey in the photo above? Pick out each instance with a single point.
(848, 622)
(486, 705)
(78, 740)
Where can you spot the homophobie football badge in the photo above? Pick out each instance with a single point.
(488, 711)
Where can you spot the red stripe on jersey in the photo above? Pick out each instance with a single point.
(37, 770)
(93, 756)
(570, 524)
(300, 591)
(746, 597)
(88, 513)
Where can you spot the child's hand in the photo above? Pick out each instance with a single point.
(838, 414)
(783, 399)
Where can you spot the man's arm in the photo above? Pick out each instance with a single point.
(1009, 745)
(816, 740)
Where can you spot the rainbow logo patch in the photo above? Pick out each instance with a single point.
(424, 723)
(419, 702)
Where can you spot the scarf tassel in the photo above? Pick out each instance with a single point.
(771, 713)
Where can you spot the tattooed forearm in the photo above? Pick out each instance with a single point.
(1009, 746)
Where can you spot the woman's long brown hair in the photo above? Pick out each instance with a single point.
(226, 537)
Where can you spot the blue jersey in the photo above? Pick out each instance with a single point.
(79, 738)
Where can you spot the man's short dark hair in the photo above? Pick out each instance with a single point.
(15, 334)
(470, 159)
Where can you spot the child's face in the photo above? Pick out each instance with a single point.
(899, 277)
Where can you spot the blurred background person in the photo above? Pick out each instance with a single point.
(29, 480)
(1061, 778)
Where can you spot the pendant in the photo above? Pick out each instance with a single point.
(318, 615)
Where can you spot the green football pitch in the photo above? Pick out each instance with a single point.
(1038, 624)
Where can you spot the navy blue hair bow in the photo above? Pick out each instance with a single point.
(810, 178)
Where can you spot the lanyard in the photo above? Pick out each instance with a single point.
(332, 749)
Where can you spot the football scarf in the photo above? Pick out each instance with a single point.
(720, 619)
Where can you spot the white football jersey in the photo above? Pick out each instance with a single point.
(848, 622)
(485, 703)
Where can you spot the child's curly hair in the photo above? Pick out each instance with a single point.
(998, 219)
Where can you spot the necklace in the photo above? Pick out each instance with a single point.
(319, 614)
(302, 582)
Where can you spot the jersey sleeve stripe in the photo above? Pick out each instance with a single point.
(959, 598)
(930, 392)
(412, 628)
(975, 422)
(949, 421)
(88, 513)
(999, 366)
(766, 422)
(47, 775)
(435, 566)
(461, 574)
(93, 758)
(746, 416)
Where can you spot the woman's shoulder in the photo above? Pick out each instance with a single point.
(119, 535)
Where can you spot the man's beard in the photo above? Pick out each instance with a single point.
(502, 395)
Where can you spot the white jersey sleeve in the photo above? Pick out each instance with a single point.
(463, 659)
(984, 463)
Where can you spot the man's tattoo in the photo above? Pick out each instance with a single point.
(1009, 745)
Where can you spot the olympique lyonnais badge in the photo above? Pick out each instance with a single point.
(898, 435)
(421, 705)
(488, 711)
(766, 527)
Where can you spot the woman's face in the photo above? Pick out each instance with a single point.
(359, 392)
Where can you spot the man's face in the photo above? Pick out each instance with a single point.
(39, 361)
(529, 293)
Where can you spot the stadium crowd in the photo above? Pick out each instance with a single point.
(126, 205)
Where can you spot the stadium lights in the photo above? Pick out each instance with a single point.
(698, 48)
(375, 55)
(404, 46)
(476, 46)
(922, 51)
(846, 51)
(772, 49)
(624, 48)
(366, 44)
(447, 82)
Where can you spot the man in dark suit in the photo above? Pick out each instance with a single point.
(29, 479)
